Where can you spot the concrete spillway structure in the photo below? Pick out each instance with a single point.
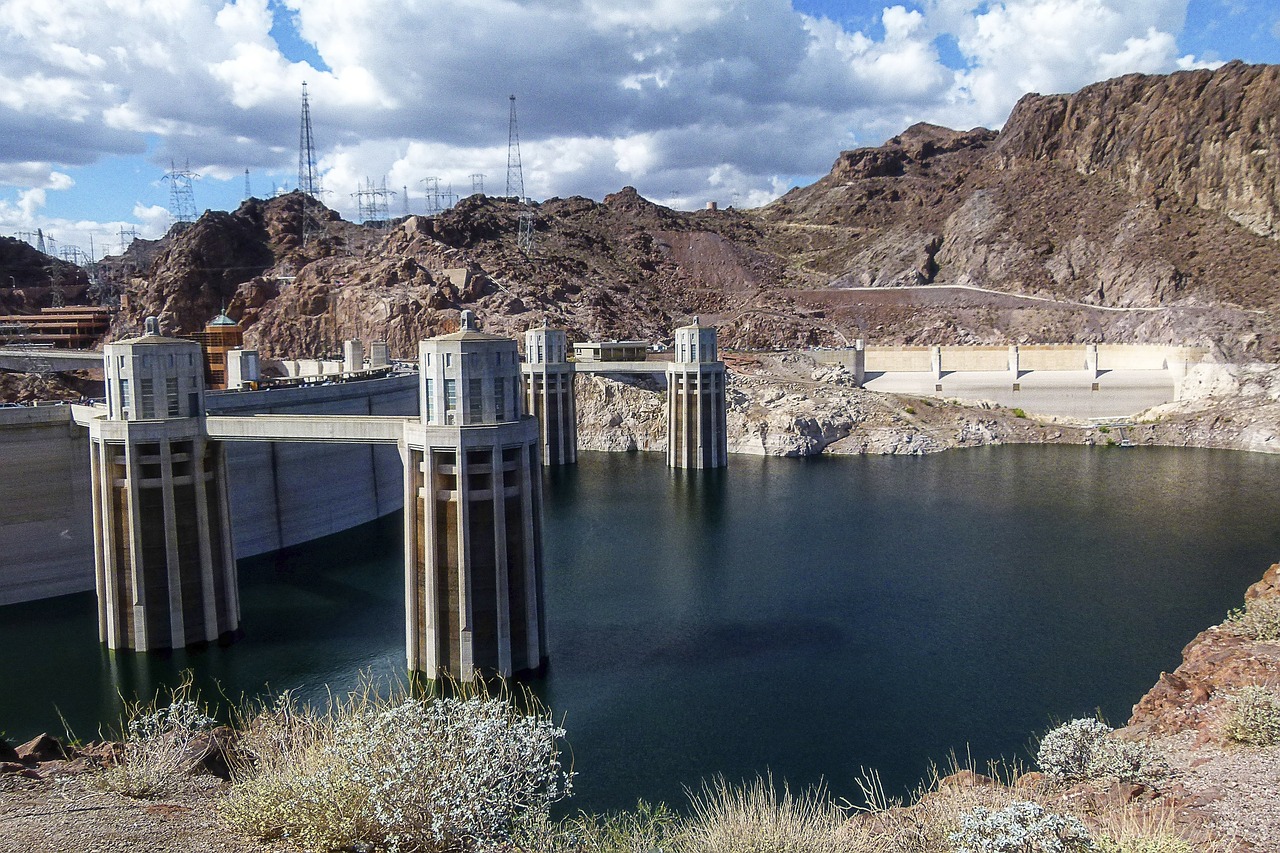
(473, 540)
(697, 435)
(164, 562)
(548, 390)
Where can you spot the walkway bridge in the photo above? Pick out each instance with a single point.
(43, 359)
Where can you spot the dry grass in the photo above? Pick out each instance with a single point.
(163, 742)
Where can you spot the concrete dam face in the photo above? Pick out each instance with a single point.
(281, 494)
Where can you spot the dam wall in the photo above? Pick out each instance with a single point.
(282, 494)
(1055, 357)
(46, 523)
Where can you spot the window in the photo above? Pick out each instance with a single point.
(430, 401)
(475, 401)
(448, 359)
(125, 403)
(147, 403)
(171, 394)
(499, 399)
(450, 395)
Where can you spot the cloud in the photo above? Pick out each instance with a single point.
(682, 98)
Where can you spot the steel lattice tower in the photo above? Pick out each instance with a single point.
(182, 196)
(515, 173)
(477, 184)
(308, 174)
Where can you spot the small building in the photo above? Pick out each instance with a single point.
(611, 351)
(68, 327)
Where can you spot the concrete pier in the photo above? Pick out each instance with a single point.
(164, 561)
(473, 537)
(697, 436)
(548, 394)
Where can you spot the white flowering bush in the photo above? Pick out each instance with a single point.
(1085, 749)
(1021, 827)
(405, 775)
(161, 745)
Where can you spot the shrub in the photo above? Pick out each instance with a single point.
(645, 830)
(161, 743)
(910, 410)
(401, 773)
(1019, 413)
(1022, 827)
(1254, 717)
(1258, 619)
(1085, 749)
(757, 818)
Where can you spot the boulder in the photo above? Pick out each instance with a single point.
(42, 747)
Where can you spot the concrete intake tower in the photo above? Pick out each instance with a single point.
(473, 494)
(165, 567)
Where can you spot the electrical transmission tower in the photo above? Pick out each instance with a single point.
(40, 241)
(406, 200)
(432, 192)
(308, 173)
(248, 193)
(182, 196)
(515, 173)
(372, 203)
(127, 236)
(515, 185)
(477, 184)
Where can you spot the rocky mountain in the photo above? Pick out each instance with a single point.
(29, 278)
(1141, 209)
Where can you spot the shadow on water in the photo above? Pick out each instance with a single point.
(810, 617)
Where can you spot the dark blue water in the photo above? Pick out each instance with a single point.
(808, 617)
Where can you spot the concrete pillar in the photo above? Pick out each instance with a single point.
(1013, 363)
(1091, 360)
(352, 356)
(378, 354)
(935, 362)
(473, 514)
(859, 361)
(548, 394)
(243, 369)
(697, 435)
(164, 563)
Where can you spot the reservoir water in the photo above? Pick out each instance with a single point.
(805, 617)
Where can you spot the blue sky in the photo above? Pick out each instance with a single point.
(687, 100)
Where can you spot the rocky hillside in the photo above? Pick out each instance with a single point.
(1136, 210)
(28, 278)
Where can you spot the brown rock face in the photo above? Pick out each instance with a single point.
(1216, 662)
(1208, 138)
